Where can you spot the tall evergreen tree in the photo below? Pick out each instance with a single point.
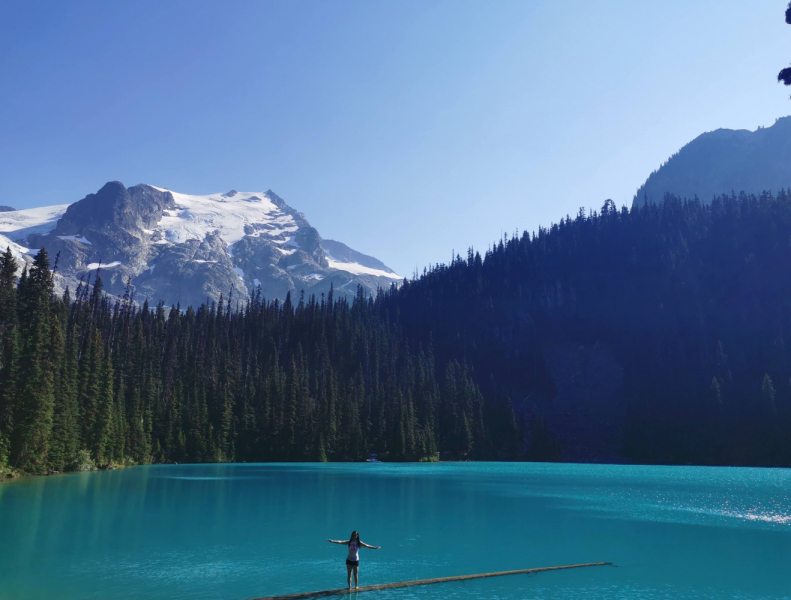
(8, 353)
(34, 411)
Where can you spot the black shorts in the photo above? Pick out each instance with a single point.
(353, 563)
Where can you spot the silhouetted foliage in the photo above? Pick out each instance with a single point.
(785, 74)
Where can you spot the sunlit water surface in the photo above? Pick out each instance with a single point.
(243, 531)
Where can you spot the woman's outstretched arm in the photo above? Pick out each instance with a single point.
(338, 542)
(364, 545)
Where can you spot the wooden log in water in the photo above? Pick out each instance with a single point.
(402, 584)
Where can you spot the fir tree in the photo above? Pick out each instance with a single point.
(8, 353)
(34, 411)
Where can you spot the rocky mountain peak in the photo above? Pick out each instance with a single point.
(184, 249)
(724, 161)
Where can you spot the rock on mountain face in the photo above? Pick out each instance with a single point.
(185, 249)
(722, 161)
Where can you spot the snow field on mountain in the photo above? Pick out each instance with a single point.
(76, 238)
(96, 265)
(18, 224)
(198, 215)
(358, 269)
(233, 216)
(19, 252)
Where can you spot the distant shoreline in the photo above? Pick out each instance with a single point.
(24, 476)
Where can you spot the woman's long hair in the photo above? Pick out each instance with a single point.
(354, 536)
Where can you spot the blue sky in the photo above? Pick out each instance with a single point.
(405, 129)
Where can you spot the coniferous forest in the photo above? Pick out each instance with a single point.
(682, 309)
(90, 382)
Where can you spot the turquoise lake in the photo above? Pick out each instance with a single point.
(242, 531)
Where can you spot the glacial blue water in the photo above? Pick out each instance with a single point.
(243, 531)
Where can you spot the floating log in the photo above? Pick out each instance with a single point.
(402, 584)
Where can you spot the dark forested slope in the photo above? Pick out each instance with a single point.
(656, 334)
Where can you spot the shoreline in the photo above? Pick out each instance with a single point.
(8, 478)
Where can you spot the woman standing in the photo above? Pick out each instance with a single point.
(353, 559)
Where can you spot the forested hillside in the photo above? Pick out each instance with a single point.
(651, 334)
(656, 334)
(86, 382)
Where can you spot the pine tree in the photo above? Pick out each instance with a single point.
(104, 432)
(64, 448)
(33, 416)
(8, 353)
(90, 392)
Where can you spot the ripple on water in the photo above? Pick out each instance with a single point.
(243, 531)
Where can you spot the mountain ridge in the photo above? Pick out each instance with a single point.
(184, 249)
(724, 161)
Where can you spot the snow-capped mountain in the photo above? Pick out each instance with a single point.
(185, 249)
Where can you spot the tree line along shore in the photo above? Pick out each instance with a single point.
(689, 301)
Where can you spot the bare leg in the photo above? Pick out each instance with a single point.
(354, 568)
(349, 576)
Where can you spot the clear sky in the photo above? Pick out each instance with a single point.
(405, 129)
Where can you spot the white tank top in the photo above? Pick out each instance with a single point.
(354, 551)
